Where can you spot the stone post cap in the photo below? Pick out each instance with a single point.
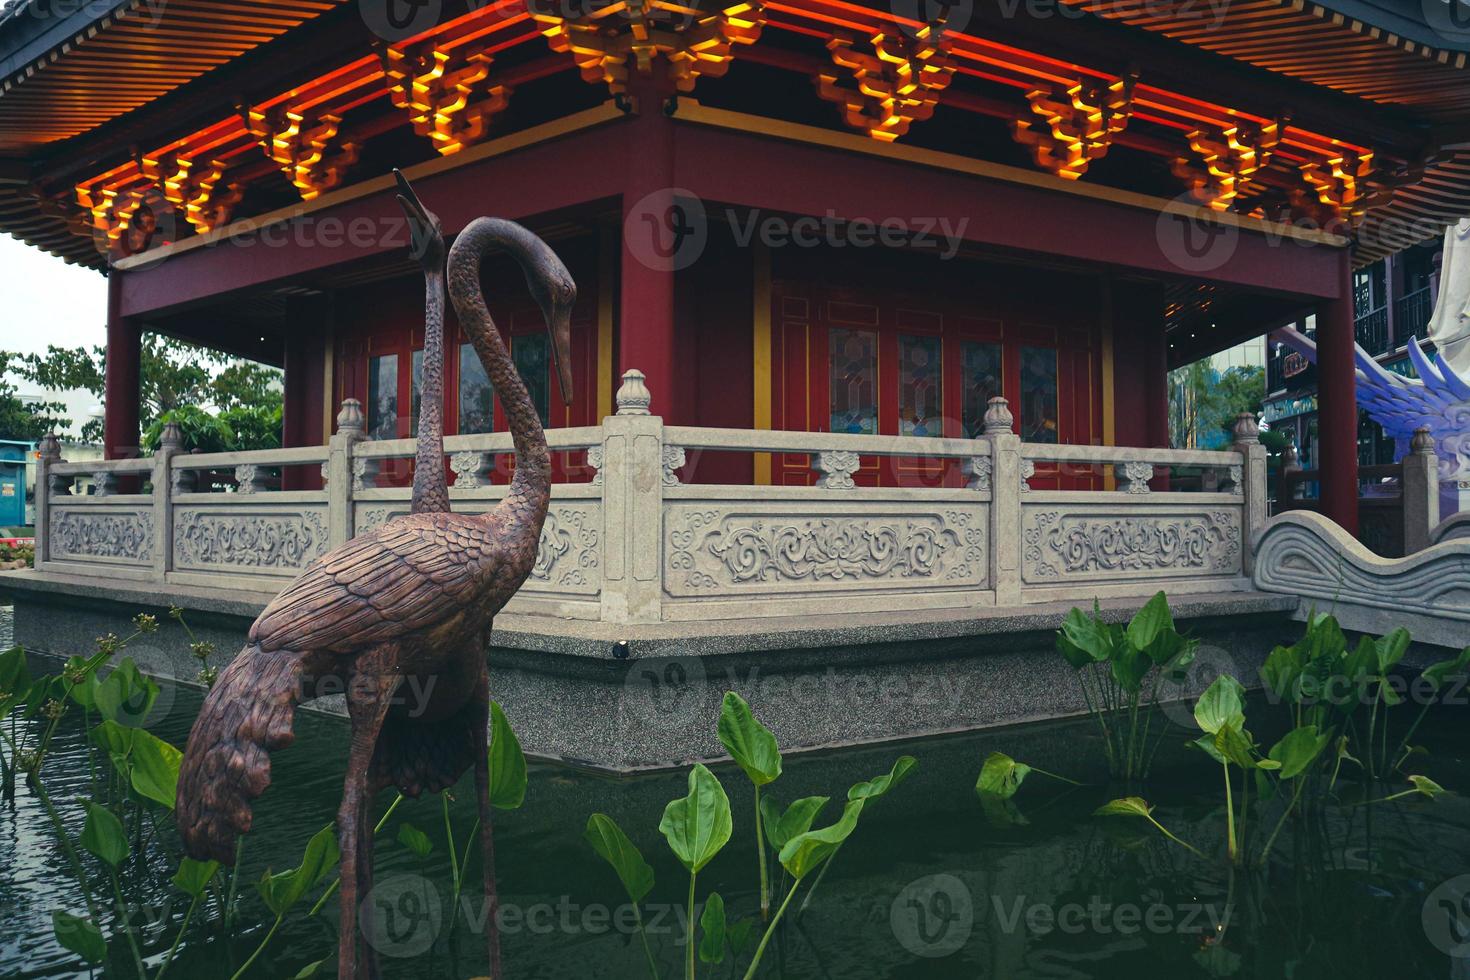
(1247, 429)
(1422, 442)
(172, 437)
(49, 447)
(349, 418)
(634, 396)
(998, 417)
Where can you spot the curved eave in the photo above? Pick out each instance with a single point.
(1394, 59)
(99, 68)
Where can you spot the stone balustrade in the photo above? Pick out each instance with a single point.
(633, 541)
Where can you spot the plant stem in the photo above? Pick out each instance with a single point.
(66, 845)
(177, 938)
(127, 927)
(337, 882)
(229, 911)
(1271, 841)
(807, 899)
(760, 855)
(643, 935)
(689, 933)
(1229, 813)
(1052, 775)
(463, 863)
(1404, 742)
(1183, 843)
(761, 949)
(259, 949)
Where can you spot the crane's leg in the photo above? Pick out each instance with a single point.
(487, 827)
(369, 694)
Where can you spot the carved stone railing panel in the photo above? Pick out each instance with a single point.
(274, 539)
(569, 560)
(673, 460)
(740, 549)
(110, 535)
(837, 468)
(250, 478)
(471, 469)
(104, 484)
(979, 471)
(1109, 544)
(1133, 477)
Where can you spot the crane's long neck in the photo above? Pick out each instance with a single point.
(430, 492)
(524, 506)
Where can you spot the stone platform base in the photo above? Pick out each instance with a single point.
(630, 698)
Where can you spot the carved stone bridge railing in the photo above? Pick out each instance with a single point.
(637, 544)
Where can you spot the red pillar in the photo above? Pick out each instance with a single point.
(660, 236)
(1337, 415)
(1156, 385)
(120, 432)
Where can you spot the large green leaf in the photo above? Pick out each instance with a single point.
(797, 818)
(1438, 673)
(1083, 639)
(1129, 666)
(1390, 649)
(15, 679)
(805, 852)
(194, 876)
(103, 835)
(113, 739)
(1129, 806)
(1298, 749)
(1001, 776)
(1426, 786)
(1151, 630)
(283, 890)
(80, 936)
(871, 789)
(83, 691)
(1220, 705)
(712, 927)
(698, 825)
(1282, 669)
(1363, 661)
(749, 742)
(1235, 744)
(126, 695)
(155, 768)
(507, 763)
(415, 840)
(608, 839)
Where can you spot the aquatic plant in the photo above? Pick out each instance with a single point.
(1120, 671)
(755, 751)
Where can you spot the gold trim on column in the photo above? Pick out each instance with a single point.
(761, 332)
(608, 249)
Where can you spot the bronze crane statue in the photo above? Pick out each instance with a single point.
(412, 600)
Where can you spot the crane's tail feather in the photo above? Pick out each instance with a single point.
(248, 713)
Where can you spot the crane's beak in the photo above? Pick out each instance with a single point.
(423, 225)
(559, 324)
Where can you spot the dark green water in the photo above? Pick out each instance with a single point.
(1065, 895)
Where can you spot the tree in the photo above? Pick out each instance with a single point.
(1242, 389)
(1203, 403)
(174, 375)
(21, 419)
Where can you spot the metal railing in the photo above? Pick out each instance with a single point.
(1371, 330)
(1411, 315)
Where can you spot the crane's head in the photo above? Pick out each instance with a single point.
(426, 235)
(556, 293)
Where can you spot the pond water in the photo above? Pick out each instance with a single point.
(1063, 894)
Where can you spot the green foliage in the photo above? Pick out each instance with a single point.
(507, 763)
(1001, 776)
(155, 768)
(283, 890)
(871, 789)
(103, 835)
(25, 420)
(1120, 669)
(712, 927)
(750, 743)
(796, 819)
(698, 825)
(80, 936)
(608, 840)
(415, 840)
(194, 876)
(805, 852)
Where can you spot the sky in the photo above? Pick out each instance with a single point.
(43, 302)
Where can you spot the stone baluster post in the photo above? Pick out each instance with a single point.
(1286, 483)
(1420, 491)
(339, 472)
(632, 507)
(170, 444)
(1250, 484)
(48, 454)
(1007, 481)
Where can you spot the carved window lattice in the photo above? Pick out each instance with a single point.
(193, 187)
(1074, 125)
(1225, 160)
(891, 81)
(603, 41)
(446, 94)
(307, 146)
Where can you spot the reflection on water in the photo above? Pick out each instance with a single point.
(927, 888)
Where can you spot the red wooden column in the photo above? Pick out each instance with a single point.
(656, 244)
(121, 391)
(1337, 415)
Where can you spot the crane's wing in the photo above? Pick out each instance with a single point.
(408, 574)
